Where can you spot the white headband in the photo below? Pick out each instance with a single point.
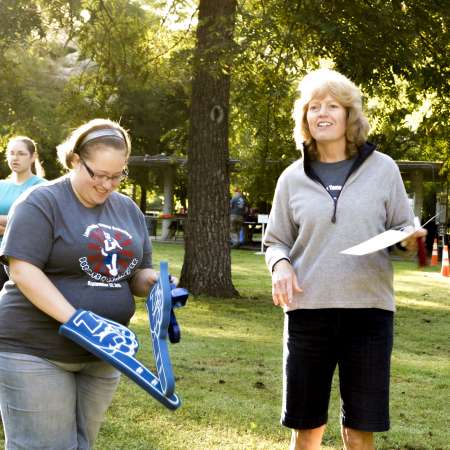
(104, 132)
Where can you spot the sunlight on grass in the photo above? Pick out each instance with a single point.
(421, 303)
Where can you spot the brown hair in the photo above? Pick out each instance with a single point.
(36, 166)
(79, 142)
(317, 84)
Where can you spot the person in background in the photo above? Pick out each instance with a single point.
(250, 223)
(71, 243)
(432, 234)
(338, 308)
(237, 213)
(26, 171)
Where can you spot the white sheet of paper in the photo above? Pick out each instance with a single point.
(380, 241)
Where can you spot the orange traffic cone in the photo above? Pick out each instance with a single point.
(434, 254)
(445, 271)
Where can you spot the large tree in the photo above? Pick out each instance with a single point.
(207, 261)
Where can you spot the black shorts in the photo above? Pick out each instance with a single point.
(359, 342)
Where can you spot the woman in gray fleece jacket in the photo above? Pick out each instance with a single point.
(339, 308)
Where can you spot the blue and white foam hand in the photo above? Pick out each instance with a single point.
(179, 298)
(160, 303)
(116, 345)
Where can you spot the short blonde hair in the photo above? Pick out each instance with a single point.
(74, 143)
(317, 84)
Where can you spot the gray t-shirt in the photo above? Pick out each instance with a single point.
(333, 175)
(89, 254)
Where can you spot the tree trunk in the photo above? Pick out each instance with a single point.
(207, 260)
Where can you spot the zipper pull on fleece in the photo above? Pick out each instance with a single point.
(333, 219)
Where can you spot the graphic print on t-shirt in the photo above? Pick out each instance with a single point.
(110, 252)
(333, 175)
(109, 257)
(334, 190)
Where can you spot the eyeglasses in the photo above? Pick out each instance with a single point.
(101, 179)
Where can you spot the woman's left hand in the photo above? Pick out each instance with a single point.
(411, 242)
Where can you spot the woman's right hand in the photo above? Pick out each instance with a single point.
(284, 283)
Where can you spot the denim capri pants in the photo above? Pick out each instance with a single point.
(52, 405)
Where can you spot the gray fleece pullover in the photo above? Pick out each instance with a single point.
(306, 228)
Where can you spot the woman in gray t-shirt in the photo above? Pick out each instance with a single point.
(72, 243)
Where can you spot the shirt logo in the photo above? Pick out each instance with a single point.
(334, 187)
(334, 190)
(109, 257)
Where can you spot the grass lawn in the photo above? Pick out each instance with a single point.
(228, 368)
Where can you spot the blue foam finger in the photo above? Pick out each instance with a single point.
(179, 297)
(116, 345)
(159, 306)
(174, 329)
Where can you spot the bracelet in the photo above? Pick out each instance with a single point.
(282, 259)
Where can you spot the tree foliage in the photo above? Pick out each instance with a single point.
(108, 59)
(120, 58)
(398, 51)
(28, 102)
(63, 62)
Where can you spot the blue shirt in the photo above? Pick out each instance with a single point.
(10, 192)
